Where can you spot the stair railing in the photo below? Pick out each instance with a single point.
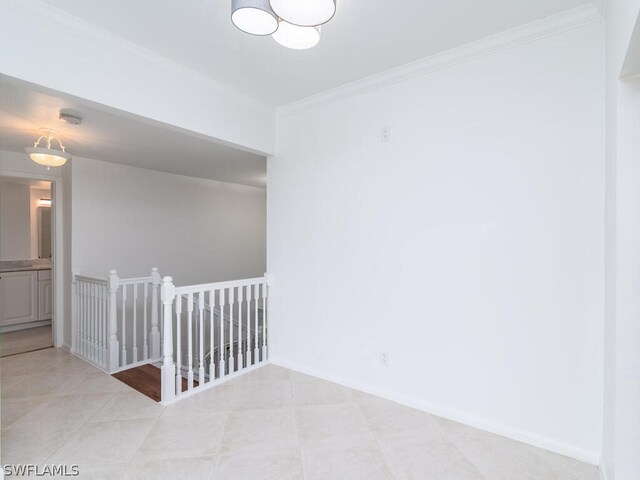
(242, 325)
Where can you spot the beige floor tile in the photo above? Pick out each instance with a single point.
(199, 468)
(128, 405)
(387, 419)
(265, 374)
(251, 396)
(260, 465)
(84, 383)
(15, 408)
(360, 461)
(426, 459)
(501, 458)
(34, 444)
(103, 443)
(319, 393)
(20, 341)
(100, 472)
(183, 436)
(61, 411)
(331, 424)
(266, 429)
(216, 399)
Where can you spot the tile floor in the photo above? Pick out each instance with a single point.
(26, 340)
(269, 424)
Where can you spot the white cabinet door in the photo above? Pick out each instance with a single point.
(18, 298)
(45, 300)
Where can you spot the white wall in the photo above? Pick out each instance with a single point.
(620, 460)
(15, 221)
(196, 230)
(52, 48)
(469, 247)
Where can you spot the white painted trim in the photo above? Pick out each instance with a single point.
(25, 326)
(527, 33)
(66, 348)
(602, 469)
(546, 443)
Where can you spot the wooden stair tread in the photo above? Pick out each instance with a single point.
(146, 380)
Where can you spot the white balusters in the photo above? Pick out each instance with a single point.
(123, 330)
(145, 346)
(221, 345)
(134, 349)
(212, 331)
(190, 340)
(240, 357)
(231, 353)
(201, 337)
(154, 336)
(256, 294)
(179, 344)
(248, 344)
(264, 321)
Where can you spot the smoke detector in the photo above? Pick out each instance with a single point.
(68, 117)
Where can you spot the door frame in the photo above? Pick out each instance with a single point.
(57, 250)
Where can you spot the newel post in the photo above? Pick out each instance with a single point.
(168, 370)
(154, 336)
(113, 346)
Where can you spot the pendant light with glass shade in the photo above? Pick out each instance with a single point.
(296, 37)
(292, 23)
(254, 16)
(43, 152)
(305, 13)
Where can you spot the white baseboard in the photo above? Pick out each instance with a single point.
(25, 326)
(66, 348)
(590, 457)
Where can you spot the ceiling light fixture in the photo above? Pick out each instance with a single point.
(296, 37)
(292, 23)
(43, 154)
(44, 202)
(254, 16)
(304, 13)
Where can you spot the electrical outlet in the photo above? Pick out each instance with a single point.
(386, 134)
(384, 358)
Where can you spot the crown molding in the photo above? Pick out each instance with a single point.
(48, 15)
(527, 33)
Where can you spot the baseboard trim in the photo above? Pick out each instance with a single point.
(590, 457)
(25, 326)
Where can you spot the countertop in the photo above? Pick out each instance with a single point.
(25, 265)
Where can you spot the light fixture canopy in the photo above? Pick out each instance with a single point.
(304, 13)
(43, 154)
(254, 17)
(296, 37)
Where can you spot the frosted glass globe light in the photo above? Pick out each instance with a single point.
(305, 13)
(296, 37)
(254, 16)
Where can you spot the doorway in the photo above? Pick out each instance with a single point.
(27, 210)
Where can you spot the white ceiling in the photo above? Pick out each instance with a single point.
(365, 37)
(113, 136)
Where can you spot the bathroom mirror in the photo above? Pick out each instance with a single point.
(44, 232)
